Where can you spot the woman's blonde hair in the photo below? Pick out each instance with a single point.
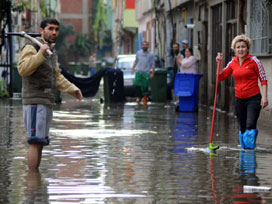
(241, 38)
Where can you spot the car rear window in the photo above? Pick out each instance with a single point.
(125, 63)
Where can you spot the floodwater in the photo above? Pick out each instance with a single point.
(132, 154)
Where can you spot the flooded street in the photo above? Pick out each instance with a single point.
(131, 154)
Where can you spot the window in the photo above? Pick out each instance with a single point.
(259, 27)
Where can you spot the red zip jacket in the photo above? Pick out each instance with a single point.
(245, 76)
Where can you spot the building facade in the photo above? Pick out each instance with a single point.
(125, 27)
(209, 26)
(77, 13)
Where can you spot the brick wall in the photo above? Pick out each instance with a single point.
(71, 6)
(77, 13)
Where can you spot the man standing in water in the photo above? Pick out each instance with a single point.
(41, 78)
(144, 63)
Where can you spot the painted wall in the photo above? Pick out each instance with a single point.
(109, 15)
(129, 19)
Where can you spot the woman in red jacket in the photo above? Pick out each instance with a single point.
(249, 100)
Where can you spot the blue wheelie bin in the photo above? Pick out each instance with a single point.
(186, 86)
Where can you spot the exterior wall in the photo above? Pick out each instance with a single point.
(174, 3)
(110, 15)
(211, 86)
(124, 26)
(77, 13)
(142, 7)
(130, 26)
(160, 34)
(145, 16)
(182, 15)
(146, 28)
(116, 33)
(200, 45)
(113, 31)
(73, 7)
(77, 25)
(129, 20)
(266, 114)
(110, 21)
(127, 43)
(226, 94)
(35, 19)
(201, 39)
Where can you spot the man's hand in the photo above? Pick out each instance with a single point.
(152, 73)
(43, 48)
(78, 94)
(133, 68)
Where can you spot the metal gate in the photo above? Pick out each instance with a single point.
(6, 52)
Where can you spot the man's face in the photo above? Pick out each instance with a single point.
(184, 45)
(50, 33)
(175, 48)
(145, 46)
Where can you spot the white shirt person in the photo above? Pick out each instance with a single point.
(188, 63)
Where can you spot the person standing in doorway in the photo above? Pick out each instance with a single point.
(144, 63)
(174, 58)
(41, 78)
(249, 100)
(174, 55)
(92, 64)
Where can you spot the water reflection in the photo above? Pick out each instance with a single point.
(247, 170)
(127, 153)
(36, 191)
(215, 198)
(185, 130)
(90, 153)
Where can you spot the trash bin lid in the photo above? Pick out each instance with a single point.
(184, 84)
(160, 71)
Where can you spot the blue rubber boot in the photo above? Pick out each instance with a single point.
(249, 138)
(241, 140)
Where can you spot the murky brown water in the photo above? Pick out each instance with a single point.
(131, 154)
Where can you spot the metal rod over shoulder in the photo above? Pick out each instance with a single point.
(29, 37)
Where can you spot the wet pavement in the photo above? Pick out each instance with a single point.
(132, 154)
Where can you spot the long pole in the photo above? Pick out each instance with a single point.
(214, 109)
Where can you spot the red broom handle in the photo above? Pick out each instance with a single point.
(215, 97)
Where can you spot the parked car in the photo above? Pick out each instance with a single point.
(125, 63)
(107, 62)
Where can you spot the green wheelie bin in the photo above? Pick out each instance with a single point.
(159, 85)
